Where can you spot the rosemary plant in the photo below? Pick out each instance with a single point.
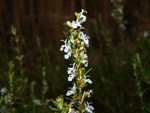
(75, 46)
(117, 15)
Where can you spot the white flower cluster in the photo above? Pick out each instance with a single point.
(6, 96)
(74, 46)
(118, 12)
(77, 23)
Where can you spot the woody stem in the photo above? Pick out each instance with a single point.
(80, 91)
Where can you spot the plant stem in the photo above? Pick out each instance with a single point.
(11, 75)
(80, 91)
(11, 94)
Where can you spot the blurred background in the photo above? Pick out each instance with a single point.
(119, 52)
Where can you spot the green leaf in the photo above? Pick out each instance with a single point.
(88, 71)
(53, 109)
(54, 102)
(85, 94)
(74, 60)
(66, 35)
(68, 98)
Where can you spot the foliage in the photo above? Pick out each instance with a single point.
(75, 47)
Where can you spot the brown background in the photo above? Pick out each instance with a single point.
(45, 18)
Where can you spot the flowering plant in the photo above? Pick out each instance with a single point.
(75, 46)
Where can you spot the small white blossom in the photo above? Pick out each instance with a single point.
(83, 16)
(77, 23)
(67, 49)
(120, 10)
(89, 108)
(37, 102)
(3, 90)
(146, 34)
(84, 58)
(71, 72)
(84, 38)
(70, 92)
(72, 102)
(7, 97)
(71, 110)
(122, 26)
(85, 61)
(89, 93)
(47, 100)
(87, 80)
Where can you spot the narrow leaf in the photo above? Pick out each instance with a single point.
(88, 71)
(53, 109)
(66, 35)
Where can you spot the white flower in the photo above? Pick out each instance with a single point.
(120, 10)
(83, 16)
(3, 90)
(63, 46)
(87, 80)
(122, 26)
(85, 61)
(89, 93)
(71, 72)
(7, 97)
(73, 89)
(112, 14)
(89, 108)
(67, 48)
(77, 23)
(84, 58)
(37, 102)
(71, 110)
(47, 100)
(146, 34)
(84, 38)
(72, 102)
